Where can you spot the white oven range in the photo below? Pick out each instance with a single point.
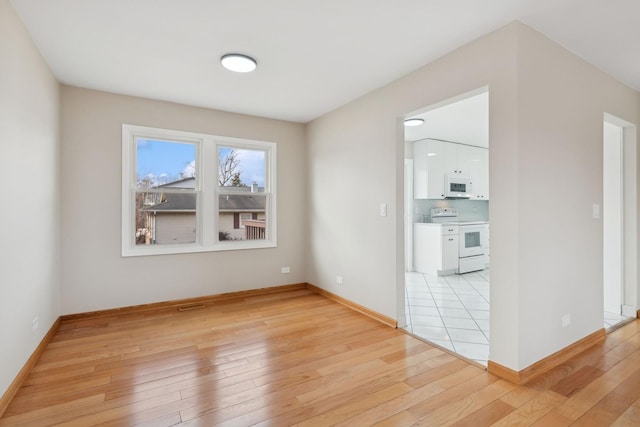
(473, 238)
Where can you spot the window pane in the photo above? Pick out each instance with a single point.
(241, 168)
(242, 216)
(165, 163)
(165, 218)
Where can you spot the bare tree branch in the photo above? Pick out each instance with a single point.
(228, 168)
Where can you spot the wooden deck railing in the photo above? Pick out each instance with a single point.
(254, 229)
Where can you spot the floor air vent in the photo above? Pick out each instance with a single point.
(189, 307)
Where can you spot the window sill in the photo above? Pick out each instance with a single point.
(150, 250)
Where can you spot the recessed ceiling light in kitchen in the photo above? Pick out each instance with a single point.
(238, 62)
(413, 122)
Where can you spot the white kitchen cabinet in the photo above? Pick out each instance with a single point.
(434, 159)
(474, 162)
(435, 248)
(431, 160)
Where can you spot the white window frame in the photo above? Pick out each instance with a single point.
(207, 149)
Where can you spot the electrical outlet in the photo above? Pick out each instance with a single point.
(339, 280)
(35, 324)
(566, 320)
(285, 270)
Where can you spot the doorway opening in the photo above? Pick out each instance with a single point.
(619, 228)
(446, 295)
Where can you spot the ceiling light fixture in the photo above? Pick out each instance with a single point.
(238, 62)
(413, 122)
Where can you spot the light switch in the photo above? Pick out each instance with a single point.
(383, 209)
(595, 211)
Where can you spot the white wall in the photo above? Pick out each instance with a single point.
(29, 210)
(356, 160)
(562, 101)
(545, 128)
(95, 276)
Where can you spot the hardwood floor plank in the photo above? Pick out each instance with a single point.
(358, 389)
(393, 406)
(296, 357)
(629, 418)
(164, 421)
(466, 383)
(129, 412)
(400, 419)
(467, 405)
(50, 414)
(28, 401)
(532, 410)
(450, 364)
(553, 419)
(609, 408)
(354, 407)
(580, 402)
(486, 415)
(520, 396)
(576, 381)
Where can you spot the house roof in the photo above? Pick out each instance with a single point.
(242, 203)
(188, 182)
(175, 202)
(186, 202)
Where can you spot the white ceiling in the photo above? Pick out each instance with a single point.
(464, 120)
(312, 56)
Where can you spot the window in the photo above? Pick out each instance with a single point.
(187, 192)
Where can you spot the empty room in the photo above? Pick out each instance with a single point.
(214, 213)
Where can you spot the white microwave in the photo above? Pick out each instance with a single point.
(457, 187)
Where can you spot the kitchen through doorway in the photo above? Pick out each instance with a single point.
(446, 190)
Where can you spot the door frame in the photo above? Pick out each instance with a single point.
(630, 293)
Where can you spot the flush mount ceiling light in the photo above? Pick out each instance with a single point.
(238, 62)
(413, 122)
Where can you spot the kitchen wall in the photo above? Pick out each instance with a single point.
(546, 110)
(95, 276)
(30, 207)
(468, 210)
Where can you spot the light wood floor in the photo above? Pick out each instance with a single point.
(298, 358)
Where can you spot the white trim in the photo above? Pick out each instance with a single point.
(629, 311)
(206, 190)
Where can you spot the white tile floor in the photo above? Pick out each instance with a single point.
(453, 312)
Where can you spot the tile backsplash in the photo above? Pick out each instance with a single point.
(468, 210)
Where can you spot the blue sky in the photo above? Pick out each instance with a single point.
(164, 161)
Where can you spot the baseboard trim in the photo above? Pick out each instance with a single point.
(549, 362)
(354, 306)
(15, 385)
(204, 300)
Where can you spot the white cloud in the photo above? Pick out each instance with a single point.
(190, 169)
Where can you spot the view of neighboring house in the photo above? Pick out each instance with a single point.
(170, 217)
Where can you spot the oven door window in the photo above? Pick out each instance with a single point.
(472, 239)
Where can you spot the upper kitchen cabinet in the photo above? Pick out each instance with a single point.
(431, 161)
(473, 162)
(434, 159)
